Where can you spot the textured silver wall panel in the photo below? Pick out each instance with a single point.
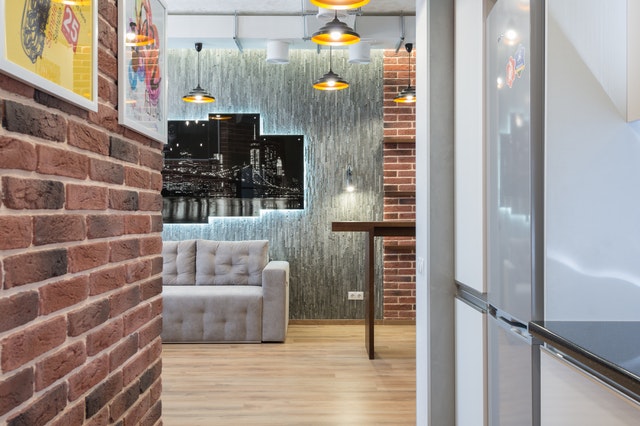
(340, 128)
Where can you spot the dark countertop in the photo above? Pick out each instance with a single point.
(611, 349)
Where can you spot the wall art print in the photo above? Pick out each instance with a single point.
(223, 167)
(52, 45)
(142, 71)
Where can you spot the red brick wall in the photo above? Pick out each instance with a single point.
(399, 183)
(80, 243)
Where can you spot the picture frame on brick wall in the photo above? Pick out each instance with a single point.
(142, 68)
(53, 46)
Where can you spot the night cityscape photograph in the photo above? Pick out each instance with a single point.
(224, 167)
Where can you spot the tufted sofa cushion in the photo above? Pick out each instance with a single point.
(212, 314)
(179, 266)
(231, 262)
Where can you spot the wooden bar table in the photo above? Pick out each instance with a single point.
(374, 229)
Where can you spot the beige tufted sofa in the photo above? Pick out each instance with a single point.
(223, 291)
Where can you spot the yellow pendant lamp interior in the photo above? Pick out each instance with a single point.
(339, 4)
(408, 94)
(198, 95)
(331, 80)
(335, 33)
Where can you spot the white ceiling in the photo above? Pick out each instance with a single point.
(248, 24)
(275, 7)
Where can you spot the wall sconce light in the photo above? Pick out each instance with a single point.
(335, 33)
(198, 95)
(339, 4)
(348, 181)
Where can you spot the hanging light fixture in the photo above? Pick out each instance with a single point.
(408, 95)
(133, 39)
(331, 80)
(198, 95)
(335, 33)
(339, 4)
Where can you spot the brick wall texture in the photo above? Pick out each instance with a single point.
(399, 182)
(80, 262)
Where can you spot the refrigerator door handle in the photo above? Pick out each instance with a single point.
(514, 326)
(521, 332)
(513, 323)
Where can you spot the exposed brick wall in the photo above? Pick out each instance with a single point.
(80, 264)
(399, 186)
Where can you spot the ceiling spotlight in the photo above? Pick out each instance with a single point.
(331, 80)
(198, 95)
(408, 94)
(277, 52)
(335, 33)
(339, 4)
(360, 53)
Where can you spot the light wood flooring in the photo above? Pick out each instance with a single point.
(320, 376)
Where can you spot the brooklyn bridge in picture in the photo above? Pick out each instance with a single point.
(223, 166)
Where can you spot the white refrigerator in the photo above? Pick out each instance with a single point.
(512, 211)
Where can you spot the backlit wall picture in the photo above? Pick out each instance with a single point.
(223, 166)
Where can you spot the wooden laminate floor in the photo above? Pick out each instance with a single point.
(320, 376)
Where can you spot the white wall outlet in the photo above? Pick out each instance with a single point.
(355, 295)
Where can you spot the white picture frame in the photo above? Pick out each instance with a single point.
(142, 67)
(53, 46)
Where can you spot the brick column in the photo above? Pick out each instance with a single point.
(80, 263)
(399, 188)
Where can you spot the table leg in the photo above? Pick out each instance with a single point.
(369, 296)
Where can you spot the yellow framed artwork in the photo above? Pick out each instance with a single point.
(142, 71)
(52, 45)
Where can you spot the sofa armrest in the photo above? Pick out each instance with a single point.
(275, 301)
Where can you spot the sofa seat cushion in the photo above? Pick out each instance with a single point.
(212, 314)
(231, 262)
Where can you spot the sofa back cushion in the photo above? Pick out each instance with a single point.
(179, 262)
(231, 262)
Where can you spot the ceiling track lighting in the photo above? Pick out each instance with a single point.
(339, 4)
(198, 95)
(335, 33)
(408, 94)
(331, 80)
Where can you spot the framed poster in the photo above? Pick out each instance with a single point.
(52, 45)
(142, 70)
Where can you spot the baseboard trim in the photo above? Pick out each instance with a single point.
(350, 322)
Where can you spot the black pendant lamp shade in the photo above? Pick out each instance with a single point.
(331, 80)
(335, 33)
(408, 94)
(198, 95)
(339, 4)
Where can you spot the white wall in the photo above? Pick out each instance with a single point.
(592, 169)
(435, 370)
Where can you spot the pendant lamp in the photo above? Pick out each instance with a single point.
(335, 33)
(133, 39)
(407, 95)
(198, 95)
(339, 4)
(331, 80)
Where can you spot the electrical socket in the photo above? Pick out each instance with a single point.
(355, 295)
